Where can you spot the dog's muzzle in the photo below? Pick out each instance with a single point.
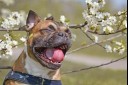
(51, 49)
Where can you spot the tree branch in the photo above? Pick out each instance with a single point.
(92, 44)
(91, 38)
(92, 67)
(82, 25)
(5, 67)
(78, 26)
(18, 29)
(118, 31)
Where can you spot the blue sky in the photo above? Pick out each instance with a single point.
(116, 3)
(119, 3)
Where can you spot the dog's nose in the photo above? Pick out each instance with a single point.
(61, 34)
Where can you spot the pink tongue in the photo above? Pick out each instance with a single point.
(56, 55)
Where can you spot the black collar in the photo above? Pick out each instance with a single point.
(30, 79)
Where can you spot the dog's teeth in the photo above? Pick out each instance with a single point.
(50, 58)
(66, 46)
(56, 62)
(63, 47)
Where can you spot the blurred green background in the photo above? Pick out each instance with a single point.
(72, 9)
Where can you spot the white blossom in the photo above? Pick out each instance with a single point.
(119, 13)
(108, 29)
(2, 45)
(95, 5)
(86, 28)
(125, 23)
(7, 36)
(23, 17)
(108, 48)
(103, 2)
(92, 22)
(112, 20)
(5, 24)
(62, 19)
(12, 20)
(88, 1)
(96, 38)
(118, 43)
(94, 8)
(9, 52)
(121, 51)
(23, 39)
(73, 37)
(99, 15)
(7, 45)
(106, 14)
(8, 2)
(93, 11)
(14, 42)
(119, 48)
(115, 49)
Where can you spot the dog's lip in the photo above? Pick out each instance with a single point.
(40, 49)
(41, 55)
(49, 61)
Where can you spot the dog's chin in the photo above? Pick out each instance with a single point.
(51, 57)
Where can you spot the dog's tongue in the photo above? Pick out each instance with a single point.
(55, 55)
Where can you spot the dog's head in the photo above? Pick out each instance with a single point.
(48, 40)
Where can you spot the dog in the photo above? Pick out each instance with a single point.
(40, 62)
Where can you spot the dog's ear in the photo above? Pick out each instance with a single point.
(32, 20)
(50, 18)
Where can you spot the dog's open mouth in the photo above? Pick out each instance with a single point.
(51, 57)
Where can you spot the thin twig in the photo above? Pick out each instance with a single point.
(19, 29)
(11, 30)
(91, 39)
(92, 67)
(5, 67)
(92, 44)
(13, 46)
(118, 31)
(78, 26)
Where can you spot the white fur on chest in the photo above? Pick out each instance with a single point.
(35, 68)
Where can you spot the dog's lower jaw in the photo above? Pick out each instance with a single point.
(35, 68)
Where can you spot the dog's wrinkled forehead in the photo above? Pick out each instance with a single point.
(50, 24)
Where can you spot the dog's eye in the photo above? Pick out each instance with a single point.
(45, 30)
(52, 27)
(68, 31)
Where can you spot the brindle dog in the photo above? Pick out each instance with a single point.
(47, 43)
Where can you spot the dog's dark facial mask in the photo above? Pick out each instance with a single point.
(49, 40)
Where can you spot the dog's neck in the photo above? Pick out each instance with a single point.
(35, 68)
(26, 64)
